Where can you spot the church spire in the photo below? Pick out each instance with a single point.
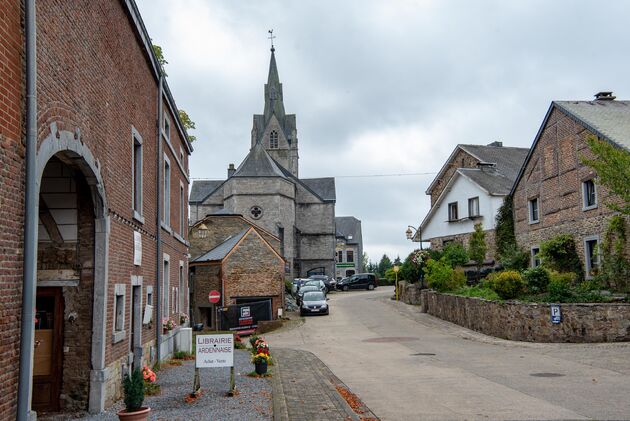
(274, 103)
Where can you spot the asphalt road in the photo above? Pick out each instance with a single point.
(406, 365)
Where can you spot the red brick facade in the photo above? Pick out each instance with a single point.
(11, 198)
(554, 175)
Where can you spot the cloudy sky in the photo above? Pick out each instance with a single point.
(385, 87)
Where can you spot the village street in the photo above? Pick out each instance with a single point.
(407, 365)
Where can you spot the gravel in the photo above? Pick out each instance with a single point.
(254, 401)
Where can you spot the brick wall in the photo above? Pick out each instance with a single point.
(206, 278)
(554, 175)
(11, 198)
(461, 159)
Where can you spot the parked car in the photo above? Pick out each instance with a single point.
(318, 283)
(358, 281)
(314, 302)
(304, 289)
(297, 283)
(330, 283)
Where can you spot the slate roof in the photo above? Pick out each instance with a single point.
(494, 182)
(508, 160)
(347, 226)
(607, 118)
(323, 187)
(202, 189)
(222, 250)
(258, 163)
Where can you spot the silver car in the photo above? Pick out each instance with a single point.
(314, 302)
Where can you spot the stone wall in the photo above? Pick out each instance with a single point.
(437, 243)
(409, 293)
(532, 322)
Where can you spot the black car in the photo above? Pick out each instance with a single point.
(304, 289)
(358, 281)
(330, 283)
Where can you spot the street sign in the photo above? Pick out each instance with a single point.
(556, 315)
(214, 351)
(214, 296)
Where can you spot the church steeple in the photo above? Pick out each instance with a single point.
(274, 103)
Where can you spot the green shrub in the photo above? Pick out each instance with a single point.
(508, 284)
(133, 389)
(537, 279)
(479, 292)
(439, 274)
(559, 254)
(458, 280)
(559, 288)
(390, 276)
(288, 285)
(514, 258)
(455, 254)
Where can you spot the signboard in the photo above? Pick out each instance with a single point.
(245, 316)
(345, 265)
(556, 315)
(214, 296)
(214, 351)
(137, 248)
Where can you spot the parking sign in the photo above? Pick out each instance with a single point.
(556, 315)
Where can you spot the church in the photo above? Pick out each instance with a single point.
(266, 189)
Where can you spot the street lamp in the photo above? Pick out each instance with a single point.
(396, 269)
(411, 234)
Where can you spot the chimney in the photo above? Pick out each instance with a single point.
(604, 96)
(231, 170)
(497, 144)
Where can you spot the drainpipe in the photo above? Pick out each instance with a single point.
(159, 265)
(29, 288)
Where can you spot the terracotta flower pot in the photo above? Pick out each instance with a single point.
(141, 414)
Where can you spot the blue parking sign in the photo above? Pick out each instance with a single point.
(556, 315)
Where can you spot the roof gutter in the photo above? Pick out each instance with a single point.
(29, 289)
(158, 226)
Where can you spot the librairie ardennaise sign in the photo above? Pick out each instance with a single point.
(214, 351)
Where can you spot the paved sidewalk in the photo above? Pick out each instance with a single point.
(304, 389)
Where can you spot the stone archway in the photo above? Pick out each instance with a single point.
(68, 148)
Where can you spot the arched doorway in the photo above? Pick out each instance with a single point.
(69, 355)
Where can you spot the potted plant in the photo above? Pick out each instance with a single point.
(133, 390)
(183, 318)
(261, 361)
(168, 324)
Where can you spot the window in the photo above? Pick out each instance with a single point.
(181, 156)
(535, 258)
(167, 129)
(167, 192)
(533, 210)
(166, 286)
(273, 140)
(452, 212)
(340, 256)
(137, 175)
(119, 312)
(350, 256)
(473, 207)
(182, 210)
(181, 304)
(589, 195)
(591, 255)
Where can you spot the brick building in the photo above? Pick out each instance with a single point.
(108, 230)
(266, 189)
(469, 189)
(242, 261)
(554, 192)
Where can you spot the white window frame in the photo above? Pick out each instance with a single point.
(166, 129)
(474, 201)
(166, 217)
(452, 205)
(119, 333)
(149, 302)
(339, 256)
(350, 256)
(533, 252)
(530, 210)
(183, 218)
(585, 205)
(166, 285)
(588, 263)
(182, 289)
(136, 175)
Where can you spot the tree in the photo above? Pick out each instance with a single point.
(477, 247)
(455, 254)
(397, 261)
(159, 54)
(612, 165)
(384, 264)
(188, 124)
(505, 240)
(365, 263)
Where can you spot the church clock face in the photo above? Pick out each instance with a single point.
(256, 212)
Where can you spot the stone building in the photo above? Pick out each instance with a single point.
(231, 255)
(266, 189)
(108, 232)
(349, 248)
(555, 192)
(469, 189)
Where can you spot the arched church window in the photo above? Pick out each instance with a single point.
(273, 140)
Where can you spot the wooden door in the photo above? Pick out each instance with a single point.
(47, 359)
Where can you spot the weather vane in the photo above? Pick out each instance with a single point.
(271, 37)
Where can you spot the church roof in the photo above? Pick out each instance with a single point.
(258, 163)
(222, 250)
(202, 189)
(322, 187)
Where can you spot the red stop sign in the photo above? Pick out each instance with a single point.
(214, 296)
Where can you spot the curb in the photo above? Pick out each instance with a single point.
(280, 410)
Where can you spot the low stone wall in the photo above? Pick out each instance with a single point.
(600, 322)
(409, 293)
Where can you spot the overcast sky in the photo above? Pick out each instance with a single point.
(384, 87)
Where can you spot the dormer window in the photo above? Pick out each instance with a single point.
(273, 140)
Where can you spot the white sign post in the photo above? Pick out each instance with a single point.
(214, 351)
